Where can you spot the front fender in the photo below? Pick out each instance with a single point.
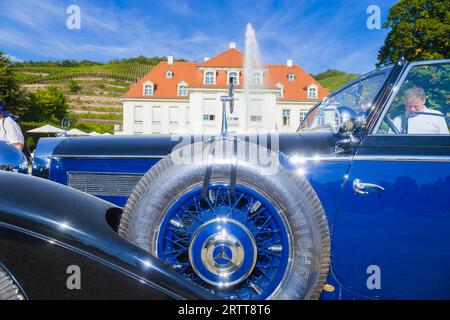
(79, 222)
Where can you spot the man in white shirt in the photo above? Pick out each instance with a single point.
(418, 119)
(10, 131)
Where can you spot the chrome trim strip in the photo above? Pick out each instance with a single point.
(106, 173)
(411, 158)
(299, 159)
(409, 135)
(103, 157)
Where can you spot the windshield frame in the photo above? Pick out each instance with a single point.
(386, 69)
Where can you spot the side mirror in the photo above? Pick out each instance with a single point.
(347, 120)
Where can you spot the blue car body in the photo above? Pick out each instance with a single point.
(404, 232)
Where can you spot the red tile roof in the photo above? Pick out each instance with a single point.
(192, 73)
(231, 58)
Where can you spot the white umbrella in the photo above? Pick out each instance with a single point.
(77, 132)
(106, 134)
(46, 129)
(94, 133)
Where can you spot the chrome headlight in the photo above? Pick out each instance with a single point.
(11, 159)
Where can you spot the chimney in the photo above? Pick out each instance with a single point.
(232, 45)
(205, 59)
(289, 63)
(169, 59)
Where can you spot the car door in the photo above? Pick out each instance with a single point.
(391, 237)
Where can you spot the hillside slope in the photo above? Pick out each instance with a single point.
(93, 89)
(334, 79)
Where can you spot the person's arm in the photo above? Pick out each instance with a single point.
(14, 134)
(18, 145)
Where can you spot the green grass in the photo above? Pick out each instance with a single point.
(334, 79)
(121, 71)
(102, 116)
(100, 109)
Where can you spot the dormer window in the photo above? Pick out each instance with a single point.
(257, 79)
(291, 76)
(312, 91)
(182, 89)
(210, 77)
(233, 77)
(280, 90)
(169, 74)
(148, 89)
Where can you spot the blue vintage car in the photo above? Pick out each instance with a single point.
(355, 205)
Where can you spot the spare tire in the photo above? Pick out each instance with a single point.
(264, 236)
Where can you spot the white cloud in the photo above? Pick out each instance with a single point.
(179, 7)
(315, 34)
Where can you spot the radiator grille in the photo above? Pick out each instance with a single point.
(104, 184)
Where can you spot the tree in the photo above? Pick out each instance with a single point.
(17, 100)
(419, 31)
(47, 105)
(74, 86)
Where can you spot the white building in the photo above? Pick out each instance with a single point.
(184, 97)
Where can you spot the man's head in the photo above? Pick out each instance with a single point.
(415, 99)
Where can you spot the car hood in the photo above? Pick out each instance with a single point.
(158, 146)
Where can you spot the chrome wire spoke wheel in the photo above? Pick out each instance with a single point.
(266, 239)
(234, 244)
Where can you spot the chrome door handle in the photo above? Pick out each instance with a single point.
(360, 187)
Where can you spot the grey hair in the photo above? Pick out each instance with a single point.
(415, 92)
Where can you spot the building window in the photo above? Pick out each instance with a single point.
(188, 116)
(173, 115)
(303, 115)
(209, 117)
(312, 93)
(156, 115)
(280, 90)
(286, 117)
(233, 77)
(257, 79)
(321, 120)
(291, 76)
(210, 77)
(148, 90)
(182, 91)
(256, 118)
(169, 74)
(138, 114)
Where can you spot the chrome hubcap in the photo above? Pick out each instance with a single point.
(222, 260)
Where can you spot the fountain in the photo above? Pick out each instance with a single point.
(252, 60)
(252, 63)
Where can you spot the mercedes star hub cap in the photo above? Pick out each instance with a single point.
(223, 252)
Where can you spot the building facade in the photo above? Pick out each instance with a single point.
(184, 97)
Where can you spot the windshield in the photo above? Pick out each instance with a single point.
(358, 96)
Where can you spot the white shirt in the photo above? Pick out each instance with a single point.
(10, 131)
(424, 123)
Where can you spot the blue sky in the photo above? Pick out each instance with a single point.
(318, 35)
